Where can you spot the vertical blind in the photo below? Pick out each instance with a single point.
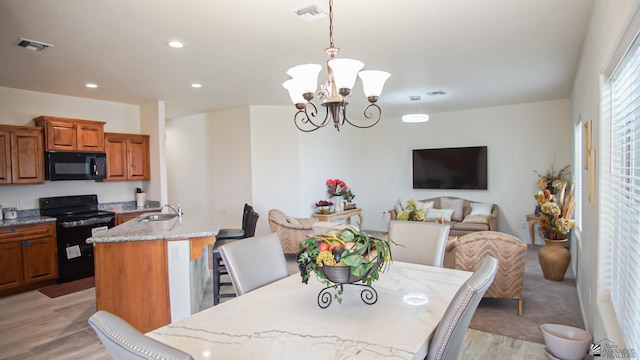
(624, 179)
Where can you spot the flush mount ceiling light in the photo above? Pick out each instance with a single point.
(417, 117)
(91, 85)
(196, 85)
(33, 45)
(335, 90)
(175, 44)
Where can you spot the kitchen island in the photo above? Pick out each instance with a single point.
(152, 273)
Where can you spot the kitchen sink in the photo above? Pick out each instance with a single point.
(157, 217)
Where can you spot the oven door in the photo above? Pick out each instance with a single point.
(75, 166)
(75, 256)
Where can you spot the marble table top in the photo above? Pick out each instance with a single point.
(283, 320)
(190, 226)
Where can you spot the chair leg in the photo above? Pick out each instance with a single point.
(218, 270)
(520, 306)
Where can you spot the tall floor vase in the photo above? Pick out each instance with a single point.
(554, 259)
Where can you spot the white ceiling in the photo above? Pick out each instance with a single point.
(481, 53)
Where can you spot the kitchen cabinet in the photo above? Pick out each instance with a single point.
(62, 134)
(28, 257)
(127, 157)
(21, 155)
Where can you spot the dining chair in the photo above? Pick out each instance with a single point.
(219, 268)
(447, 339)
(418, 242)
(123, 341)
(254, 262)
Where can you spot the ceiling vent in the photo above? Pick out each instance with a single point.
(436, 93)
(33, 45)
(311, 12)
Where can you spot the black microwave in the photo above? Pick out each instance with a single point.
(75, 166)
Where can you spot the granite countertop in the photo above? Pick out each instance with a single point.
(127, 207)
(26, 220)
(190, 226)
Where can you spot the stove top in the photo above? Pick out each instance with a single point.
(75, 207)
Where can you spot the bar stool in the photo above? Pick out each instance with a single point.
(249, 222)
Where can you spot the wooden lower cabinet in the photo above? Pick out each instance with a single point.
(28, 257)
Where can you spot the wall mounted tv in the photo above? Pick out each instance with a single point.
(450, 168)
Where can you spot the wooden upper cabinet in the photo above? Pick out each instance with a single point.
(62, 134)
(127, 157)
(21, 155)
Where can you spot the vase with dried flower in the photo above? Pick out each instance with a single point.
(555, 227)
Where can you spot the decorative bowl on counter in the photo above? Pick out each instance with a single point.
(566, 342)
(324, 209)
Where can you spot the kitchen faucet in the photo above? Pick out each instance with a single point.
(178, 211)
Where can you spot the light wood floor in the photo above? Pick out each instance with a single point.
(34, 326)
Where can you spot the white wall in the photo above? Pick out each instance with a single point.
(19, 107)
(209, 163)
(608, 23)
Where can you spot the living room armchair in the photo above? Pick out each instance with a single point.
(291, 231)
(467, 252)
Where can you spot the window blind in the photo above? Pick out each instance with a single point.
(624, 180)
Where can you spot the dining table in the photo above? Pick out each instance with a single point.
(283, 320)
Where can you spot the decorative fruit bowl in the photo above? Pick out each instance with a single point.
(324, 206)
(344, 257)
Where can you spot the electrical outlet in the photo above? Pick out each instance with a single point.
(19, 204)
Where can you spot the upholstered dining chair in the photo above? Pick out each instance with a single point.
(123, 341)
(447, 339)
(219, 269)
(254, 262)
(418, 242)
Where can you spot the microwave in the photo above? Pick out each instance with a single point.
(75, 166)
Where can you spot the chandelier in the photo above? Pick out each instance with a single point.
(334, 91)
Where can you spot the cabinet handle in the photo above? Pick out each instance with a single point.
(26, 243)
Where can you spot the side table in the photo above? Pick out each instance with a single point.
(532, 219)
(347, 214)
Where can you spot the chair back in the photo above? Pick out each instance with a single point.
(419, 242)
(447, 340)
(254, 262)
(123, 341)
(245, 212)
(250, 223)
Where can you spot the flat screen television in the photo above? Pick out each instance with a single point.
(450, 168)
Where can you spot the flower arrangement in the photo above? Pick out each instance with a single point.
(365, 255)
(336, 187)
(412, 213)
(349, 196)
(552, 180)
(555, 216)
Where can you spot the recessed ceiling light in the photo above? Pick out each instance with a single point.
(175, 44)
(416, 117)
(90, 85)
(196, 85)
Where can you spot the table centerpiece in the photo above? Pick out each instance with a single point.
(344, 257)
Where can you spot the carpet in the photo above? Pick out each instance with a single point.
(545, 301)
(70, 287)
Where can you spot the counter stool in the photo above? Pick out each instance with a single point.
(249, 222)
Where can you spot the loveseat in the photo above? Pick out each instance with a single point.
(462, 215)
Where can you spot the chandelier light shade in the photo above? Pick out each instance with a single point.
(343, 74)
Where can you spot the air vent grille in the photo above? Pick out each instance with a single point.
(311, 12)
(33, 45)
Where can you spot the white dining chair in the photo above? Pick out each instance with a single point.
(418, 242)
(447, 339)
(254, 262)
(123, 341)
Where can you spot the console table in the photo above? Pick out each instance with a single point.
(347, 214)
(532, 219)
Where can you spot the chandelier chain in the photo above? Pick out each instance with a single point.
(330, 23)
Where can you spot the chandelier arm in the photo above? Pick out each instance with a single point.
(367, 115)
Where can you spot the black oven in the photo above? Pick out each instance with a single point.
(75, 166)
(77, 218)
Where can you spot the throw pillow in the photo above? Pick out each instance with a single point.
(456, 204)
(477, 219)
(398, 206)
(435, 214)
(426, 204)
(481, 209)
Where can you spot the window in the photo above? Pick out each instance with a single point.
(621, 204)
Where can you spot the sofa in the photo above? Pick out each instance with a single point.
(291, 231)
(463, 216)
(467, 252)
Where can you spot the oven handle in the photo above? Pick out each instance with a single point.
(86, 222)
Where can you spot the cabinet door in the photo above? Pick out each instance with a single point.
(11, 265)
(116, 150)
(5, 157)
(90, 137)
(40, 260)
(27, 156)
(138, 158)
(61, 135)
